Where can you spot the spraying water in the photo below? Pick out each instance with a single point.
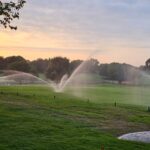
(75, 76)
(10, 77)
(65, 81)
(81, 77)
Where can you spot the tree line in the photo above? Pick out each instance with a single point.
(55, 68)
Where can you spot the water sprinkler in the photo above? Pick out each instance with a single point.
(148, 108)
(102, 147)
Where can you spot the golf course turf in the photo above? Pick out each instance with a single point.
(36, 118)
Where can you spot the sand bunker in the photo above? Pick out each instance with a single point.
(138, 136)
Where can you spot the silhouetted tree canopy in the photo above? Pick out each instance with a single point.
(39, 65)
(22, 65)
(15, 63)
(119, 72)
(12, 59)
(114, 71)
(2, 63)
(92, 66)
(10, 11)
(147, 64)
(58, 67)
(74, 64)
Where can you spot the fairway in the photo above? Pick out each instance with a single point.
(74, 75)
(36, 118)
(123, 94)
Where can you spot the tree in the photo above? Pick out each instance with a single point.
(142, 68)
(113, 71)
(74, 64)
(58, 67)
(40, 65)
(12, 59)
(91, 66)
(16, 63)
(2, 63)
(10, 11)
(147, 64)
(103, 70)
(22, 65)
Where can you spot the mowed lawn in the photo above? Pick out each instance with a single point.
(136, 95)
(36, 118)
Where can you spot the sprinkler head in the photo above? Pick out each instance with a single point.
(2, 92)
(148, 108)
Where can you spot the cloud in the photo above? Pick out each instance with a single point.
(113, 25)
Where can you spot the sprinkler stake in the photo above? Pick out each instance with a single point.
(102, 147)
(148, 108)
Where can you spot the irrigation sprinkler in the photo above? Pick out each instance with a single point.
(148, 108)
(54, 97)
(17, 94)
(115, 104)
(102, 147)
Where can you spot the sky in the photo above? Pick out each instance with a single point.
(118, 29)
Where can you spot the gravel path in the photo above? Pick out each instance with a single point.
(137, 136)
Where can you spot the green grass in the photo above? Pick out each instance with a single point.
(31, 119)
(136, 95)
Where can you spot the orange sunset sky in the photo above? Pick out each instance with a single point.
(118, 29)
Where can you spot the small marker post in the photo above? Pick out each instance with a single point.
(148, 108)
(102, 147)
